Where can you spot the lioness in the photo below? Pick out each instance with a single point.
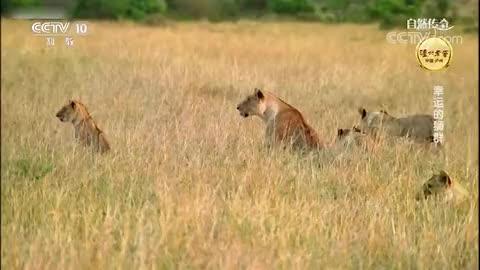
(418, 127)
(442, 186)
(85, 128)
(284, 123)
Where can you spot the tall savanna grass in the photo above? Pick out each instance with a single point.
(189, 184)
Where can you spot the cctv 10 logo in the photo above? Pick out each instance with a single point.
(58, 28)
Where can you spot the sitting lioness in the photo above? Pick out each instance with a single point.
(284, 123)
(418, 127)
(85, 128)
(442, 187)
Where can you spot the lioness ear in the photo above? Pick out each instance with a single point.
(362, 112)
(340, 132)
(444, 178)
(449, 181)
(72, 104)
(258, 93)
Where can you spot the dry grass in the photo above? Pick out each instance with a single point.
(189, 185)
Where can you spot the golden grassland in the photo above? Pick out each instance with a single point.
(189, 184)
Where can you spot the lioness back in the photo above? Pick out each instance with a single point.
(291, 127)
(418, 127)
(103, 145)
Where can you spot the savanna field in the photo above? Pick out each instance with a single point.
(189, 184)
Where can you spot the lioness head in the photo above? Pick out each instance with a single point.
(438, 184)
(69, 112)
(342, 133)
(370, 122)
(347, 136)
(252, 104)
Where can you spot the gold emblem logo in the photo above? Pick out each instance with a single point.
(434, 53)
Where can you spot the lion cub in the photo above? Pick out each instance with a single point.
(284, 123)
(418, 127)
(347, 137)
(85, 128)
(443, 187)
